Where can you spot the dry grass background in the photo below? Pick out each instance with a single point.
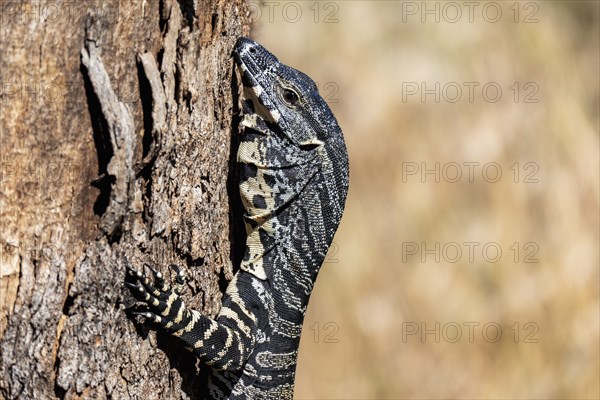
(371, 289)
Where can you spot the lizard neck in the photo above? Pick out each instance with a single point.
(311, 230)
(292, 211)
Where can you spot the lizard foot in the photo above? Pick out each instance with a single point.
(161, 304)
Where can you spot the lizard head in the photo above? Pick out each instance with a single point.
(291, 145)
(283, 100)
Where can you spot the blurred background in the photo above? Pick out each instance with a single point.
(467, 261)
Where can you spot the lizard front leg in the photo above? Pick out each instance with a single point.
(224, 343)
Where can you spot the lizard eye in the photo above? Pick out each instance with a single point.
(290, 97)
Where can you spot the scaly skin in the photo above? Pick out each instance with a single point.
(293, 169)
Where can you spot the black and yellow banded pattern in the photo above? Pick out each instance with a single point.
(293, 169)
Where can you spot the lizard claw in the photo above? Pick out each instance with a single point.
(148, 315)
(179, 278)
(133, 272)
(159, 278)
(134, 287)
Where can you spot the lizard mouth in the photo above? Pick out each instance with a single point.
(252, 59)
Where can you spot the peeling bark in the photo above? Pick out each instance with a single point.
(117, 130)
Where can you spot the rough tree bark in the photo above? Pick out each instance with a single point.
(118, 153)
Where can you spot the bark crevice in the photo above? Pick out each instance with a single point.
(149, 184)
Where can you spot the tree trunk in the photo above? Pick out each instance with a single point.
(117, 130)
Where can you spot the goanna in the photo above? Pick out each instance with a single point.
(293, 169)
